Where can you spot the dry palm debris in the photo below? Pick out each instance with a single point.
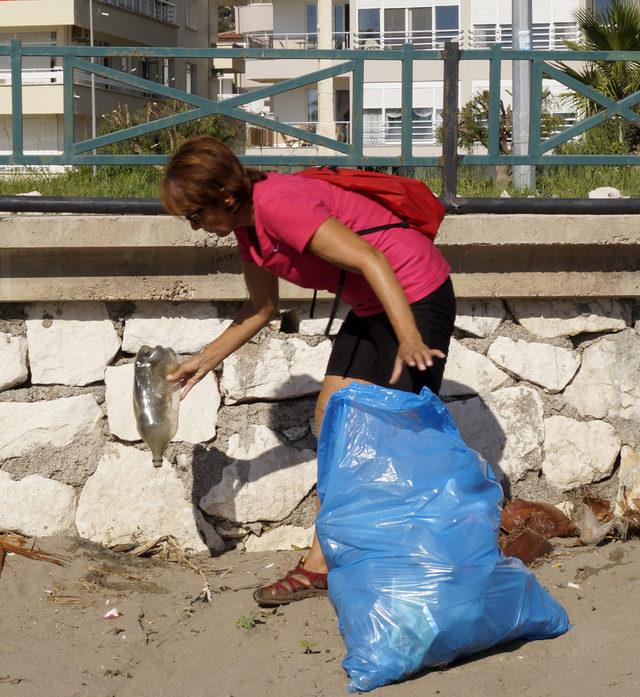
(167, 548)
(14, 543)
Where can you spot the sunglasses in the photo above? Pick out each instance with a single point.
(194, 216)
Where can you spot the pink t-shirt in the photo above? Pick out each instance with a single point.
(288, 211)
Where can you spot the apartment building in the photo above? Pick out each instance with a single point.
(388, 24)
(115, 23)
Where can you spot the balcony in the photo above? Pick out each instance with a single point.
(163, 10)
(428, 39)
(424, 133)
(34, 77)
(544, 37)
(339, 40)
(54, 76)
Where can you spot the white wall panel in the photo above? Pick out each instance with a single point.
(389, 95)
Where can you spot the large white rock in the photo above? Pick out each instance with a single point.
(468, 372)
(553, 318)
(605, 192)
(505, 427)
(128, 499)
(274, 369)
(70, 343)
(286, 537)
(266, 479)
(608, 382)
(479, 317)
(13, 360)
(318, 326)
(549, 366)
(578, 452)
(185, 327)
(36, 506)
(197, 416)
(628, 499)
(54, 423)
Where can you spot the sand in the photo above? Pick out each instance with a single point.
(55, 642)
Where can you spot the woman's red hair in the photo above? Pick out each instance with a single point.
(202, 173)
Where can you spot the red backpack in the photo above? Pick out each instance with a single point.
(409, 199)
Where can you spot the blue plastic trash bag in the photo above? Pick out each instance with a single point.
(409, 528)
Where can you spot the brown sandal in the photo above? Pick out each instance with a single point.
(289, 588)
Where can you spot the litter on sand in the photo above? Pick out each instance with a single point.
(14, 543)
(111, 614)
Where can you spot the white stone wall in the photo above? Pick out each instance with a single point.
(547, 391)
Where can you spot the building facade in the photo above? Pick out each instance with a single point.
(115, 23)
(388, 24)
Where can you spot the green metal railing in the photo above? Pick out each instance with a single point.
(352, 153)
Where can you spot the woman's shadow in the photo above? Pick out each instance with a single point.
(477, 424)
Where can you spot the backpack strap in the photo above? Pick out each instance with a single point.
(343, 275)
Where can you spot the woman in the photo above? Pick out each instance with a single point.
(397, 283)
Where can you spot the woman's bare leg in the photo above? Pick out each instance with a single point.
(281, 591)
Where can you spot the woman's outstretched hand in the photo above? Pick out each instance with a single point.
(190, 372)
(415, 354)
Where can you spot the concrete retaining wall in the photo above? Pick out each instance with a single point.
(544, 382)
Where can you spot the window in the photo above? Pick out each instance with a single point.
(312, 105)
(540, 36)
(312, 19)
(342, 114)
(312, 26)
(373, 126)
(421, 19)
(564, 31)
(190, 78)
(191, 14)
(369, 27)
(505, 36)
(422, 126)
(484, 35)
(394, 28)
(340, 26)
(447, 22)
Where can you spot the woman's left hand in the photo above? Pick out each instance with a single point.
(415, 354)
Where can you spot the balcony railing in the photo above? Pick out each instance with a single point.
(34, 77)
(423, 133)
(390, 133)
(54, 76)
(259, 137)
(424, 39)
(339, 40)
(544, 37)
(164, 10)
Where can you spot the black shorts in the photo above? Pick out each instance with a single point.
(365, 347)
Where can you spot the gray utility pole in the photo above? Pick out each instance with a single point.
(524, 176)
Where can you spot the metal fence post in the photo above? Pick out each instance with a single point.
(450, 120)
(16, 102)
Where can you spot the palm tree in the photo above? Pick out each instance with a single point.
(614, 28)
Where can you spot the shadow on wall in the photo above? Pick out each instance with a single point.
(478, 427)
(210, 462)
(482, 433)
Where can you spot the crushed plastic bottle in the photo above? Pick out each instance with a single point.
(156, 401)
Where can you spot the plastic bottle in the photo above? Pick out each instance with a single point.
(156, 401)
